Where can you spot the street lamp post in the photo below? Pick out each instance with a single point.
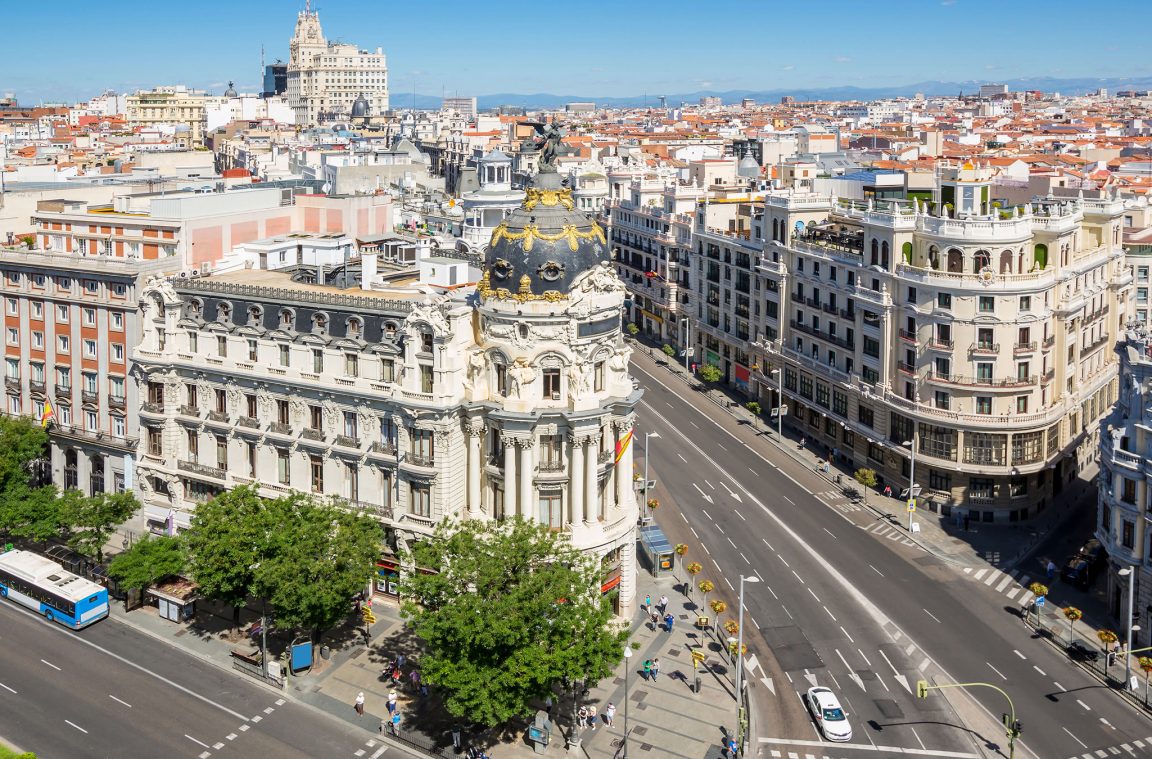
(911, 478)
(779, 402)
(627, 666)
(1127, 572)
(687, 350)
(647, 458)
(740, 664)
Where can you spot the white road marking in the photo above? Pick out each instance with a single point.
(872, 747)
(5, 687)
(996, 670)
(1003, 584)
(846, 635)
(681, 513)
(753, 471)
(992, 578)
(379, 751)
(739, 514)
(709, 484)
(931, 615)
(829, 532)
(770, 548)
(1022, 656)
(785, 608)
(231, 736)
(721, 445)
(269, 710)
(769, 587)
(830, 614)
(244, 728)
(1012, 593)
(923, 665)
(1042, 672)
(50, 664)
(694, 533)
(782, 559)
(218, 746)
(742, 556)
(257, 718)
(697, 426)
(730, 542)
(786, 498)
(280, 702)
(73, 724)
(1082, 743)
(877, 571)
(1061, 687)
(814, 595)
(669, 405)
(682, 458)
(705, 549)
(979, 574)
(865, 658)
(199, 743)
(728, 584)
(705, 513)
(918, 738)
(119, 701)
(1088, 708)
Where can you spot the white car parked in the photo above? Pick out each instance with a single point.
(829, 715)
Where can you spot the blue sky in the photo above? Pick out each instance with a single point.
(70, 49)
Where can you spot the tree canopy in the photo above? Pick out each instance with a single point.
(507, 610)
(148, 561)
(308, 559)
(92, 519)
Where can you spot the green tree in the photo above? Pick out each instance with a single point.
(668, 350)
(93, 519)
(37, 513)
(508, 610)
(148, 561)
(229, 537)
(709, 373)
(319, 559)
(867, 479)
(25, 511)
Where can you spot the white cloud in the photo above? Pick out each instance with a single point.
(842, 59)
(789, 67)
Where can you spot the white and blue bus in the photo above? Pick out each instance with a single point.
(47, 588)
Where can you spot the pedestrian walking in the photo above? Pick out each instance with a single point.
(391, 702)
(400, 659)
(655, 667)
(647, 603)
(1051, 569)
(582, 716)
(456, 738)
(668, 620)
(415, 678)
(396, 724)
(359, 705)
(824, 467)
(730, 747)
(592, 716)
(647, 669)
(655, 617)
(663, 604)
(887, 491)
(610, 714)
(803, 442)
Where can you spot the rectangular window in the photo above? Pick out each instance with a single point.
(423, 450)
(986, 448)
(351, 428)
(1022, 404)
(1127, 490)
(283, 466)
(501, 378)
(983, 404)
(840, 403)
(552, 384)
(282, 411)
(118, 426)
(193, 342)
(90, 421)
(116, 387)
(938, 480)
(316, 465)
(944, 300)
(316, 418)
(37, 310)
(252, 350)
(284, 355)
(317, 361)
(221, 402)
(221, 452)
(942, 400)
(387, 370)
(987, 304)
(598, 376)
(420, 499)
(193, 446)
(13, 307)
(981, 487)
(118, 353)
(89, 349)
(866, 416)
(250, 457)
(89, 317)
(1025, 302)
(221, 345)
(155, 442)
(117, 320)
(551, 510)
(1128, 534)
(252, 405)
(551, 451)
(351, 365)
(62, 343)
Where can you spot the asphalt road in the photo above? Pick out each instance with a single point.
(848, 602)
(109, 691)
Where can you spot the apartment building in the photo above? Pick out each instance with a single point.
(1124, 498)
(325, 79)
(198, 229)
(977, 335)
(183, 109)
(651, 233)
(480, 404)
(70, 323)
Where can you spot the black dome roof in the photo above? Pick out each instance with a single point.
(543, 246)
(360, 107)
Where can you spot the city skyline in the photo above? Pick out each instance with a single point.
(750, 53)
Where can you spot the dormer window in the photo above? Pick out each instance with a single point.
(255, 313)
(286, 319)
(390, 330)
(426, 342)
(355, 327)
(319, 323)
(224, 311)
(194, 309)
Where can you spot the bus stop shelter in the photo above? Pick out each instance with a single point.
(657, 551)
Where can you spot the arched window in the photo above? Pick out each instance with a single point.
(1040, 256)
(224, 311)
(70, 471)
(1005, 262)
(981, 260)
(933, 256)
(955, 261)
(287, 318)
(255, 315)
(884, 254)
(906, 252)
(776, 230)
(875, 252)
(355, 327)
(320, 322)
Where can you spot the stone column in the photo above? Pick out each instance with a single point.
(510, 482)
(475, 470)
(527, 503)
(576, 480)
(591, 496)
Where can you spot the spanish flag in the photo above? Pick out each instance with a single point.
(48, 415)
(622, 446)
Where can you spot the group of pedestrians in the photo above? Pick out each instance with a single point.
(659, 613)
(586, 716)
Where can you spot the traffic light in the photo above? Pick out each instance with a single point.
(1017, 728)
(921, 689)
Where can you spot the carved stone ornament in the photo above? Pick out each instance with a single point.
(164, 289)
(521, 375)
(430, 312)
(599, 279)
(299, 411)
(331, 417)
(578, 383)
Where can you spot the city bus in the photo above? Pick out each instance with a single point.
(47, 588)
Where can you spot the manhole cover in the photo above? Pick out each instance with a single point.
(639, 695)
(674, 652)
(640, 730)
(645, 746)
(357, 653)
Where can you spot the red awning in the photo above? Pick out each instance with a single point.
(741, 372)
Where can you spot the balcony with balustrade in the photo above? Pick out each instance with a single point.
(1003, 383)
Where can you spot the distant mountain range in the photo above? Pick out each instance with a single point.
(544, 100)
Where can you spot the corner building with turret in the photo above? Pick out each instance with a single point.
(508, 399)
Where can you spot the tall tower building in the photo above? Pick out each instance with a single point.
(326, 78)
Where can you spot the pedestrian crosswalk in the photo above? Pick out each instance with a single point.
(1133, 748)
(1012, 584)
